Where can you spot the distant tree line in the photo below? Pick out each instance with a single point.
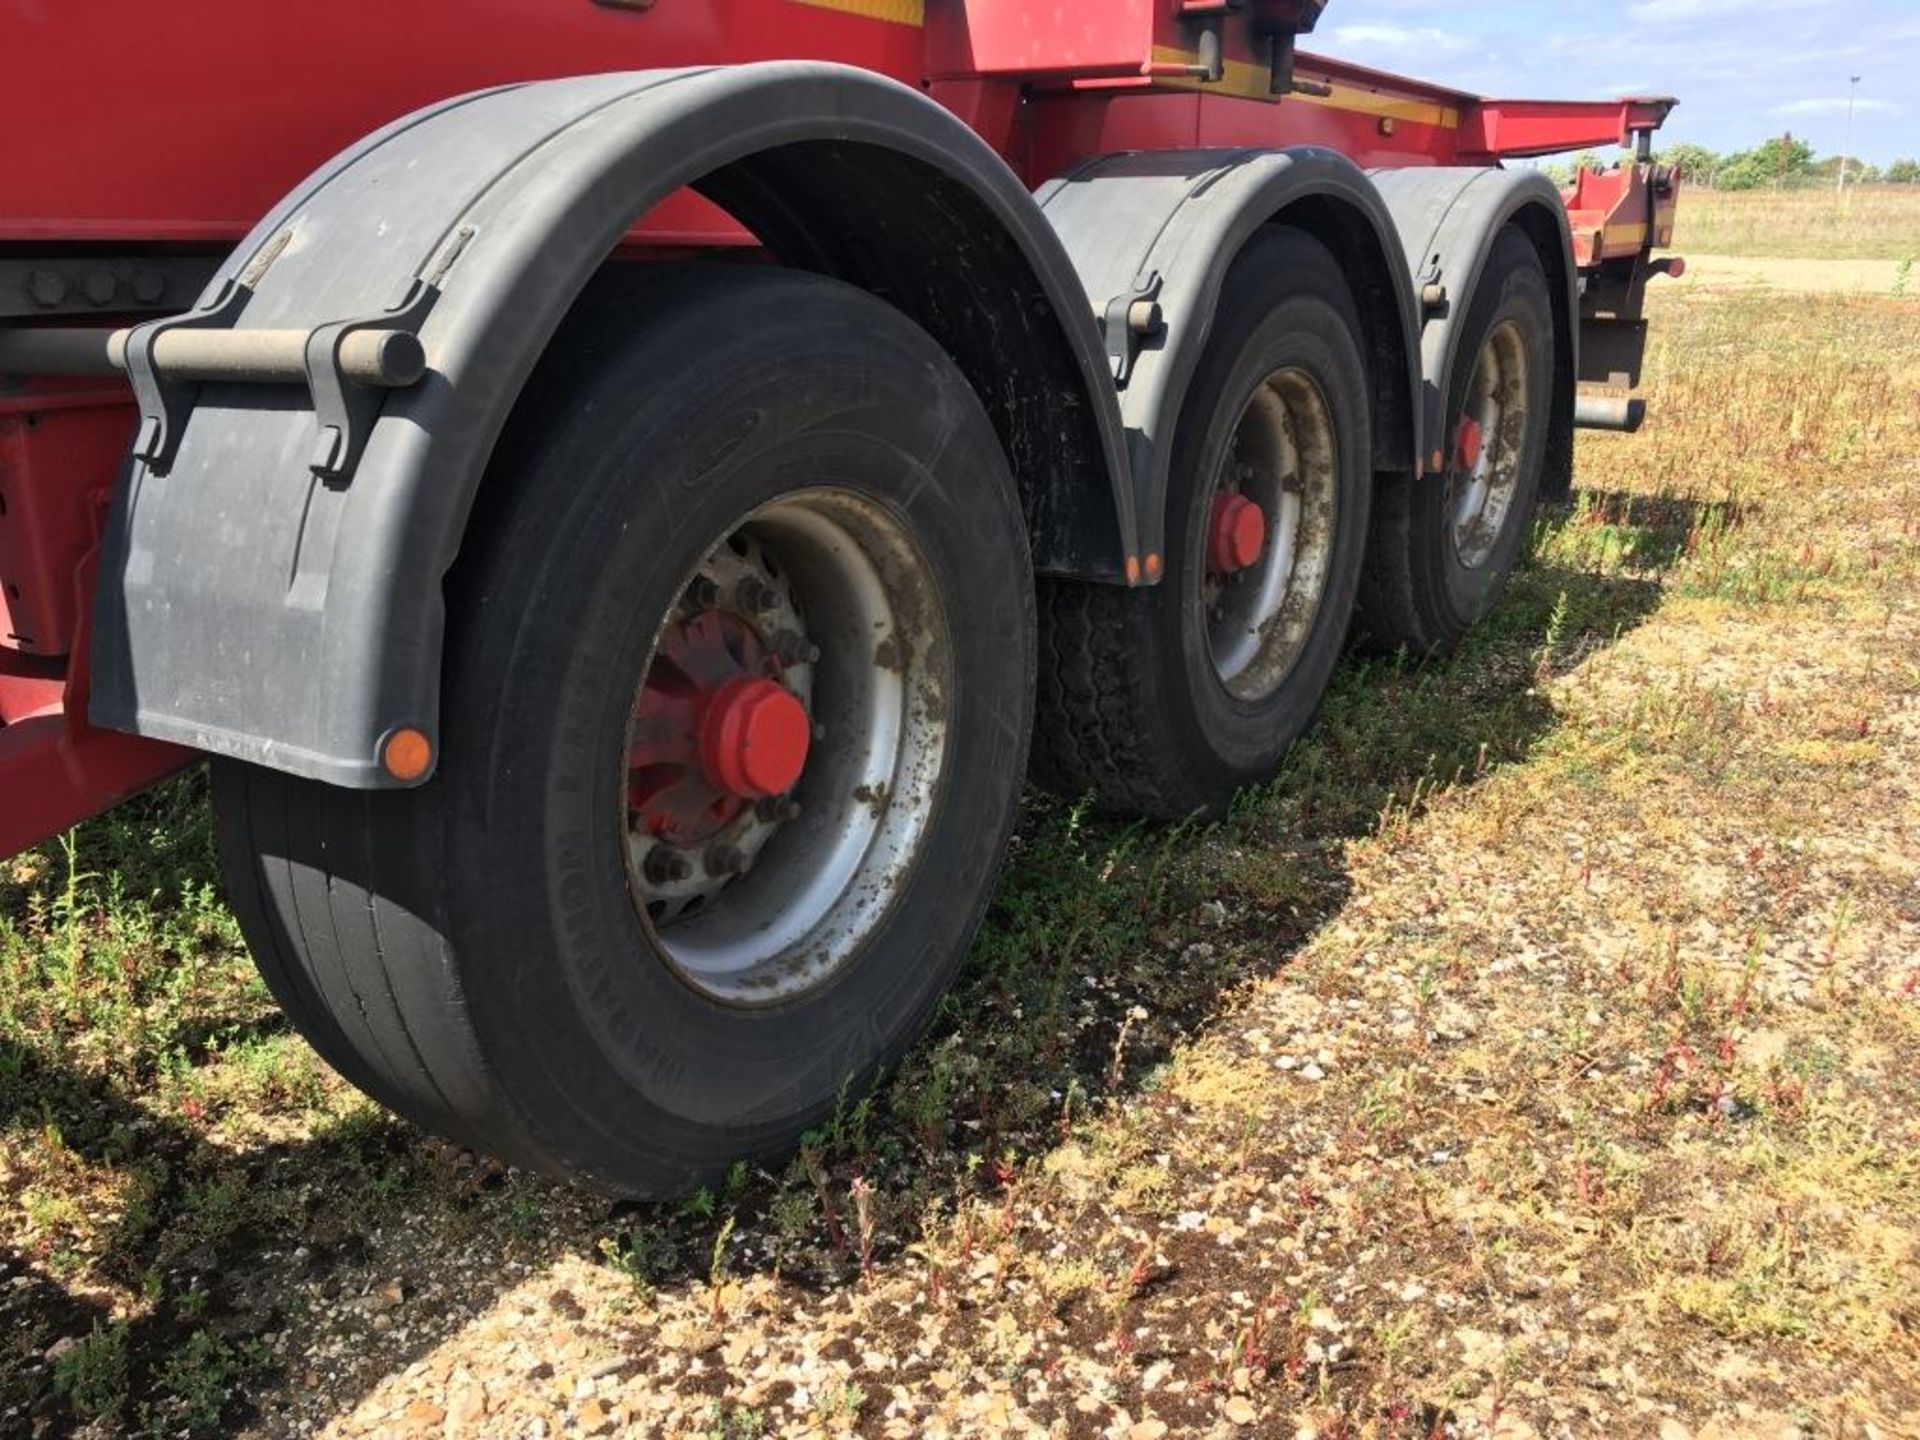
(1786, 163)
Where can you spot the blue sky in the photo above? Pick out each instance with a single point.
(1743, 69)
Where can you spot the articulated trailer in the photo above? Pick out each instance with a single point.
(625, 529)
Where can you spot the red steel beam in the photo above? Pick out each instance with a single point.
(1516, 129)
(54, 774)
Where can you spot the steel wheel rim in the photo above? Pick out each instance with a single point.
(1283, 458)
(1481, 485)
(856, 632)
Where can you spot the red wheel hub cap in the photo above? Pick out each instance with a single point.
(1236, 535)
(753, 738)
(1470, 443)
(714, 730)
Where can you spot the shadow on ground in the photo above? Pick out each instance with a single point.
(1107, 946)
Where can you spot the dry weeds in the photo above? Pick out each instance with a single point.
(1879, 222)
(1537, 1058)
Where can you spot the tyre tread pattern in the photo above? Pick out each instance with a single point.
(1087, 735)
(362, 978)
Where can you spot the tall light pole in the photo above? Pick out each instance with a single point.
(1846, 150)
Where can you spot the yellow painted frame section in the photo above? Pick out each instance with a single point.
(894, 12)
(1250, 82)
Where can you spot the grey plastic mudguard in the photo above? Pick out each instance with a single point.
(1166, 225)
(1448, 218)
(248, 607)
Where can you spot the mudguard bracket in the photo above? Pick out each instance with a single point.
(1126, 325)
(343, 409)
(165, 404)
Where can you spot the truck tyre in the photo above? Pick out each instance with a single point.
(1443, 546)
(736, 705)
(1165, 701)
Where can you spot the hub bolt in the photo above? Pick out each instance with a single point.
(774, 809)
(47, 287)
(725, 860)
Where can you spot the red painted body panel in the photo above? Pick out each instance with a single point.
(186, 121)
(136, 124)
(48, 435)
(61, 445)
(1608, 210)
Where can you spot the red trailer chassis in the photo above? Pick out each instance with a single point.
(919, 340)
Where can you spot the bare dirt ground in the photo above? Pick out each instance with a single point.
(1536, 1058)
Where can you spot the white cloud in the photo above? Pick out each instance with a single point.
(1681, 12)
(1383, 35)
(1835, 105)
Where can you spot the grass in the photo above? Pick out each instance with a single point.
(1874, 223)
(1536, 1051)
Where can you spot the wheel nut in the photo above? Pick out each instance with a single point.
(725, 860)
(664, 866)
(703, 593)
(795, 649)
(774, 809)
(754, 595)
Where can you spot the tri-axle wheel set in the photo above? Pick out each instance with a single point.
(729, 766)
(623, 627)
